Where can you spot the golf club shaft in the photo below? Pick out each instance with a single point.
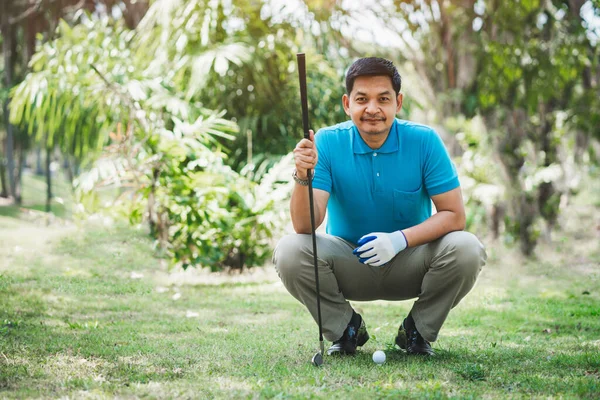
(304, 99)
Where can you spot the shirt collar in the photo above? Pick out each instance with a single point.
(390, 145)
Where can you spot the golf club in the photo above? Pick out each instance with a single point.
(317, 359)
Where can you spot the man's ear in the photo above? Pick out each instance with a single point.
(399, 101)
(346, 104)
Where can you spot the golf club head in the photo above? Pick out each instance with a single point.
(317, 359)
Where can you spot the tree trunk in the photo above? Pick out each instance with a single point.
(19, 175)
(39, 170)
(67, 165)
(526, 214)
(522, 210)
(3, 183)
(152, 211)
(548, 196)
(7, 50)
(48, 179)
(497, 216)
(135, 11)
(10, 160)
(448, 46)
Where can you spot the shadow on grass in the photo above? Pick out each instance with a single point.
(10, 212)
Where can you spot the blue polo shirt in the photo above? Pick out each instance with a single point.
(381, 190)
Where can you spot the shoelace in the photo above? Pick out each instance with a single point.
(351, 332)
(414, 336)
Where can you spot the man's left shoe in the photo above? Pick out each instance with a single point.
(354, 336)
(410, 339)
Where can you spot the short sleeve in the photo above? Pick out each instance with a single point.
(439, 172)
(322, 176)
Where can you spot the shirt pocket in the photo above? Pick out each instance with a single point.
(407, 206)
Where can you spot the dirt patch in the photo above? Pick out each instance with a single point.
(6, 201)
(203, 276)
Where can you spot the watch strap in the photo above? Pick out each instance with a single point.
(302, 182)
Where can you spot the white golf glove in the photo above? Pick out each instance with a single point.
(378, 248)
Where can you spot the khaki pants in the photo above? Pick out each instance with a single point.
(439, 274)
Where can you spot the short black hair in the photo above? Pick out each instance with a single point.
(373, 66)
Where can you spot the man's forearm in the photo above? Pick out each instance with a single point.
(300, 210)
(434, 227)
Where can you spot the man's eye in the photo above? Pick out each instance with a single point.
(360, 99)
(385, 99)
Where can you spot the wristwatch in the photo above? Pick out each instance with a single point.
(303, 182)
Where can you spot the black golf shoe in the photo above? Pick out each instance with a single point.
(354, 336)
(410, 339)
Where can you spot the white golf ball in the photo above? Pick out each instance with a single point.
(379, 357)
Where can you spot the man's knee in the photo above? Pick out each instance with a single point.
(289, 253)
(467, 251)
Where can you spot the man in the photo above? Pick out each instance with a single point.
(376, 176)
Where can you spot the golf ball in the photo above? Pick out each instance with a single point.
(379, 357)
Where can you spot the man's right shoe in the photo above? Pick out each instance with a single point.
(354, 336)
(410, 339)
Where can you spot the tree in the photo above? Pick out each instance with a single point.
(21, 22)
(535, 57)
(241, 58)
(101, 85)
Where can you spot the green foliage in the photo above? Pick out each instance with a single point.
(202, 212)
(536, 65)
(526, 79)
(229, 59)
(479, 175)
(533, 62)
(217, 218)
(163, 152)
(63, 102)
(145, 97)
(529, 70)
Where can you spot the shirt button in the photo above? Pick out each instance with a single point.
(378, 174)
(374, 154)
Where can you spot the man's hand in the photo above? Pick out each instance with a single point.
(305, 156)
(378, 248)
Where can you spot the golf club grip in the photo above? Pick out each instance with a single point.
(303, 96)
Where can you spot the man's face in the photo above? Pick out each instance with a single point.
(372, 104)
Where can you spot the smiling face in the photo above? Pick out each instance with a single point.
(372, 105)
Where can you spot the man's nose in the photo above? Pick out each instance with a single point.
(372, 107)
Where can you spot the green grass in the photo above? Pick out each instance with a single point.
(88, 312)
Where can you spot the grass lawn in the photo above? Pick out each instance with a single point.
(87, 312)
